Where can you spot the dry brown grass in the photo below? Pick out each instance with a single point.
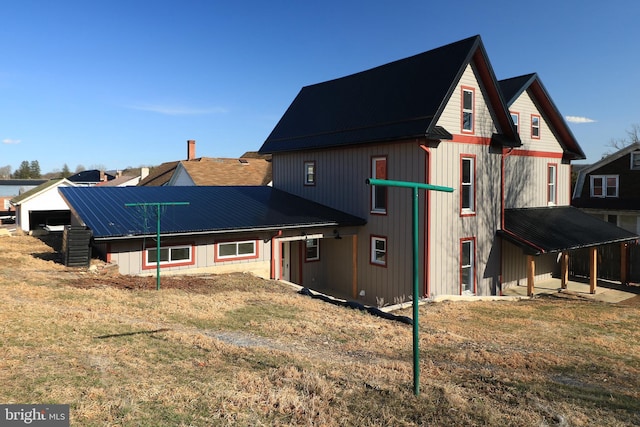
(237, 350)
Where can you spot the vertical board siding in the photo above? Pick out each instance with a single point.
(514, 271)
(526, 181)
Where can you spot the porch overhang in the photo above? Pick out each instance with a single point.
(557, 229)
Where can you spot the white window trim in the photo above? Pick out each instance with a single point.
(552, 184)
(236, 255)
(170, 261)
(374, 250)
(604, 185)
(635, 160)
(308, 244)
(307, 181)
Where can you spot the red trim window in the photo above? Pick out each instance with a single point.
(170, 256)
(378, 192)
(552, 183)
(312, 250)
(467, 106)
(535, 126)
(515, 118)
(467, 184)
(236, 250)
(468, 284)
(379, 250)
(310, 172)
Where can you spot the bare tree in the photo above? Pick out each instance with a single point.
(617, 144)
(5, 172)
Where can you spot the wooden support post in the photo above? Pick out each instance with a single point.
(624, 263)
(593, 269)
(564, 269)
(531, 273)
(354, 266)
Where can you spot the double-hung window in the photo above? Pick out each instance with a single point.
(635, 160)
(604, 185)
(309, 173)
(378, 192)
(168, 255)
(468, 103)
(552, 184)
(312, 250)
(515, 118)
(535, 126)
(467, 266)
(379, 250)
(467, 185)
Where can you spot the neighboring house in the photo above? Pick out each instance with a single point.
(125, 180)
(250, 169)
(89, 178)
(610, 188)
(10, 188)
(223, 228)
(441, 118)
(42, 207)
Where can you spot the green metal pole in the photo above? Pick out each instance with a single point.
(158, 249)
(416, 296)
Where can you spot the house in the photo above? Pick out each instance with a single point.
(9, 188)
(439, 117)
(253, 169)
(121, 180)
(42, 207)
(221, 229)
(610, 188)
(89, 178)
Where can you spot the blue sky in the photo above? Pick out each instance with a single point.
(124, 83)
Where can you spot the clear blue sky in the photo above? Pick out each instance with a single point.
(123, 83)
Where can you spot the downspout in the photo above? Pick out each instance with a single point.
(504, 154)
(427, 220)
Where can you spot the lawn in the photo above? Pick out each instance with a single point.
(238, 350)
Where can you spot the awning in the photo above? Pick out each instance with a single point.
(559, 228)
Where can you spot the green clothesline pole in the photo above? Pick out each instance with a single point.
(158, 205)
(415, 186)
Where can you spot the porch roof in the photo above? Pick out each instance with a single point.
(559, 228)
(221, 209)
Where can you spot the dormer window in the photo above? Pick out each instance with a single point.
(467, 109)
(604, 185)
(635, 160)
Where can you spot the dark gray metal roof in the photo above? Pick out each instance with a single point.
(399, 100)
(210, 210)
(560, 228)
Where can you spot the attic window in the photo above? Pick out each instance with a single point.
(635, 160)
(244, 161)
(467, 109)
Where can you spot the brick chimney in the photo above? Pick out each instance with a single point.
(191, 149)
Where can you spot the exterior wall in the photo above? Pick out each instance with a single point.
(129, 254)
(514, 262)
(628, 179)
(180, 178)
(525, 107)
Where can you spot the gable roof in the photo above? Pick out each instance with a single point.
(559, 228)
(398, 100)
(514, 87)
(160, 175)
(219, 209)
(34, 192)
(226, 171)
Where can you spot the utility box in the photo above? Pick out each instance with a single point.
(76, 246)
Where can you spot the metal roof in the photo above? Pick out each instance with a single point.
(210, 210)
(559, 228)
(398, 100)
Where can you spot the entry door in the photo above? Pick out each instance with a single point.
(285, 261)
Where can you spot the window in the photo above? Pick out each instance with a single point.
(604, 185)
(312, 252)
(310, 173)
(379, 250)
(378, 192)
(467, 266)
(552, 179)
(635, 160)
(168, 255)
(467, 185)
(236, 250)
(535, 126)
(467, 110)
(515, 118)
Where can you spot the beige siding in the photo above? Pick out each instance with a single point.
(128, 255)
(451, 119)
(525, 106)
(514, 263)
(526, 181)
